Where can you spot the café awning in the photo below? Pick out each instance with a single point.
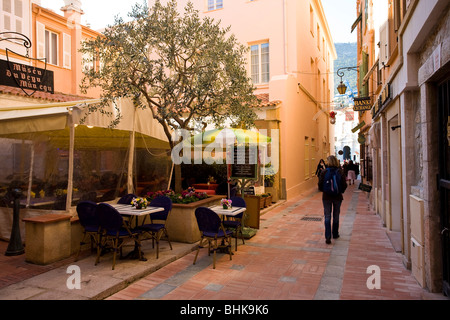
(58, 116)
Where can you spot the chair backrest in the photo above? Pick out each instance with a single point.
(207, 220)
(127, 198)
(238, 202)
(109, 218)
(161, 201)
(87, 213)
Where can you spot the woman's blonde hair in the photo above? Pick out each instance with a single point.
(332, 161)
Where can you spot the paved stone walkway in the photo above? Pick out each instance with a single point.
(288, 259)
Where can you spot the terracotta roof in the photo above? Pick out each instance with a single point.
(57, 96)
(63, 97)
(265, 102)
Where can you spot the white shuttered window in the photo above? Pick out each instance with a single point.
(12, 15)
(260, 63)
(67, 46)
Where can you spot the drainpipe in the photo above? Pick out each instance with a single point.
(285, 37)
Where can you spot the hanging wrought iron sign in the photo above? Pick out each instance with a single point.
(26, 77)
(359, 126)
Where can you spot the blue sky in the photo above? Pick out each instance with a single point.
(340, 15)
(99, 13)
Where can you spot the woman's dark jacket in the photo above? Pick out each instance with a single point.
(343, 186)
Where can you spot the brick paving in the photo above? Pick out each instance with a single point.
(288, 259)
(14, 269)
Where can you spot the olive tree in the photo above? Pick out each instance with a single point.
(184, 68)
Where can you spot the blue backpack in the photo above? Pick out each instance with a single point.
(332, 182)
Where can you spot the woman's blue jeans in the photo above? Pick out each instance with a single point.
(329, 207)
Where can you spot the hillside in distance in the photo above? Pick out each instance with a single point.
(346, 57)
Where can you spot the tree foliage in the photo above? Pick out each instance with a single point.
(182, 67)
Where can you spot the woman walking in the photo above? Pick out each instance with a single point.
(351, 174)
(320, 167)
(333, 184)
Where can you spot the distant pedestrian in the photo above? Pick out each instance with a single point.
(351, 173)
(333, 184)
(320, 167)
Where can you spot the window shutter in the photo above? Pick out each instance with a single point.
(40, 40)
(67, 46)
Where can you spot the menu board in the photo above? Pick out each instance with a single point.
(244, 166)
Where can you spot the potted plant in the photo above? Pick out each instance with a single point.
(268, 201)
(262, 201)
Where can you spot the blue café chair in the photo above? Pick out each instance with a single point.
(86, 211)
(156, 230)
(211, 229)
(236, 221)
(126, 199)
(114, 230)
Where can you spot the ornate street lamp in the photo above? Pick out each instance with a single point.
(342, 88)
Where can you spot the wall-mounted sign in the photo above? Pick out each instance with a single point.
(362, 104)
(361, 139)
(349, 116)
(30, 79)
(385, 95)
(359, 126)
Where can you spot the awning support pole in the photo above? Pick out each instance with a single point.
(71, 155)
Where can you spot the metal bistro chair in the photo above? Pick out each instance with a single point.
(127, 198)
(156, 230)
(116, 231)
(236, 222)
(211, 230)
(89, 221)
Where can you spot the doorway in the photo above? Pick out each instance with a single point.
(444, 178)
(395, 178)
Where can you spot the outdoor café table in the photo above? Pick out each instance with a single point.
(231, 212)
(131, 212)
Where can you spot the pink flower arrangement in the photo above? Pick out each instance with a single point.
(187, 196)
(226, 203)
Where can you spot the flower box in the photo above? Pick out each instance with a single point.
(181, 223)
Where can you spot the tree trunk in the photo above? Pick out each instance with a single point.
(177, 173)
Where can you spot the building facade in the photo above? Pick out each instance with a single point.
(290, 62)
(55, 43)
(408, 139)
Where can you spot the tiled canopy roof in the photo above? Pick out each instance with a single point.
(56, 97)
(265, 102)
(63, 97)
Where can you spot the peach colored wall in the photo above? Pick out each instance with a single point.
(286, 26)
(65, 80)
